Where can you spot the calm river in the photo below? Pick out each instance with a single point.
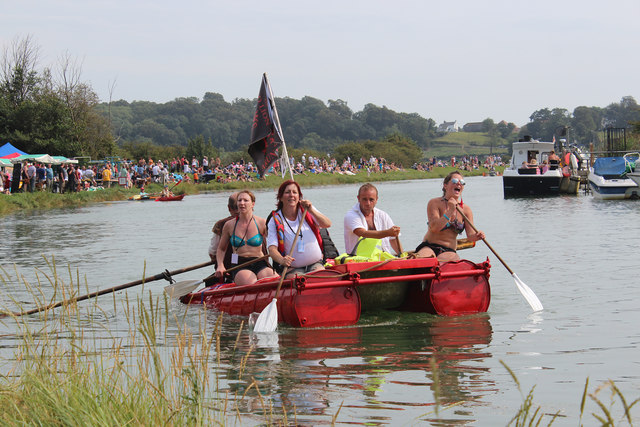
(579, 255)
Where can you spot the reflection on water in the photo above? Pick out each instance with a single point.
(384, 367)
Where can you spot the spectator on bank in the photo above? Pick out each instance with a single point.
(48, 174)
(106, 176)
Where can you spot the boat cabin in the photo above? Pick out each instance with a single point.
(531, 155)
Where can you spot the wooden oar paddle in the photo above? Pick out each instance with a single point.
(163, 275)
(526, 291)
(400, 251)
(267, 321)
(180, 289)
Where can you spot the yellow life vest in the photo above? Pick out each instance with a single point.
(366, 250)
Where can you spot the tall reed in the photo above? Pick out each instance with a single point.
(71, 366)
(115, 361)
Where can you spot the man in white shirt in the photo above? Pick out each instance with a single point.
(365, 220)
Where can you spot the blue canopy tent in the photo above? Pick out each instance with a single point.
(11, 151)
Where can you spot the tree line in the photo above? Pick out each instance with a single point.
(584, 125)
(53, 111)
(306, 122)
(49, 111)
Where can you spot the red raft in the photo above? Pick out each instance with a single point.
(170, 198)
(338, 295)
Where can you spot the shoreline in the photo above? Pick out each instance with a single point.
(30, 202)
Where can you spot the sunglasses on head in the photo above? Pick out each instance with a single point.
(458, 181)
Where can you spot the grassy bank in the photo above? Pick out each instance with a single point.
(44, 200)
(77, 367)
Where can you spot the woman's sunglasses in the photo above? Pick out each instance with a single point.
(458, 181)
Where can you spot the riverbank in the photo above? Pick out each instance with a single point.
(43, 200)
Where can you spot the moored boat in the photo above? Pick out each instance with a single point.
(532, 173)
(338, 295)
(635, 177)
(610, 179)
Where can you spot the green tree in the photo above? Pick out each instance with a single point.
(200, 148)
(545, 122)
(622, 114)
(505, 129)
(46, 115)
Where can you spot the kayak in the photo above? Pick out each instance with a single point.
(339, 294)
(170, 198)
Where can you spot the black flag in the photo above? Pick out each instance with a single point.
(266, 137)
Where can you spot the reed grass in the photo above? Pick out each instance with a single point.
(71, 367)
(531, 415)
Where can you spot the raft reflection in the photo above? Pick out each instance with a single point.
(384, 364)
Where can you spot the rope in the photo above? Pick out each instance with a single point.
(167, 276)
(338, 275)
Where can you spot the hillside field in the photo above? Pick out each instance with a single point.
(466, 143)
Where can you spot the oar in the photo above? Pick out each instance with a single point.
(180, 289)
(526, 291)
(267, 321)
(158, 276)
(175, 185)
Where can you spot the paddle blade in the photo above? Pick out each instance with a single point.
(267, 321)
(527, 293)
(180, 289)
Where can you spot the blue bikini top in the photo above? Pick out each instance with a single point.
(238, 242)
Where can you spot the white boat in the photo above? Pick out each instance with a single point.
(531, 173)
(635, 176)
(611, 178)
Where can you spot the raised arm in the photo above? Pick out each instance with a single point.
(322, 220)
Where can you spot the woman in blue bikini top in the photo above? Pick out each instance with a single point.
(245, 234)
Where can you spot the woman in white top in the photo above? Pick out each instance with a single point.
(282, 225)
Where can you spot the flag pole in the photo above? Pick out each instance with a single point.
(285, 154)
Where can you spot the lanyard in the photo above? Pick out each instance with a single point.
(289, 225)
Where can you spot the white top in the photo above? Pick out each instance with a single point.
(305, 253)
(355, 219)
(213, 246)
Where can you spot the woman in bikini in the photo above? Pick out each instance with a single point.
(245, 234)
(445, 223)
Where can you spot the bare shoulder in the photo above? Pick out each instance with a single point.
(228, 226)
(434, 202)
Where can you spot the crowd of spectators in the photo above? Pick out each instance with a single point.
(466, 163)
(129, 173)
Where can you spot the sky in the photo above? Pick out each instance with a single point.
(463, 60)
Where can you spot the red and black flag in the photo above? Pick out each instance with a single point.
(266, 136)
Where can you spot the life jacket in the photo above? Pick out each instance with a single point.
(277, 219)
(364, 251)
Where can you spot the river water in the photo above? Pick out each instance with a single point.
(577, 254)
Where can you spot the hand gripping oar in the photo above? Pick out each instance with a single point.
(163, 275)
(180, 289)
(526, 291)
(268, 320)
